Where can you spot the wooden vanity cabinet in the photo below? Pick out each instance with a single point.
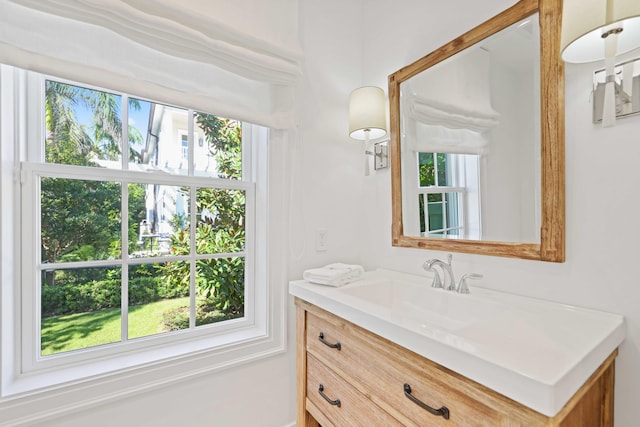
(348, 376)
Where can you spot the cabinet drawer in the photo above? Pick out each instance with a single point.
(353, 409)
(382, 368)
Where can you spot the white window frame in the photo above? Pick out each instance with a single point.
(458, 174)
(181, 354)
(460, 193)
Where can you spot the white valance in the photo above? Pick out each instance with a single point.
(448, 107)
(440, 139)
(451, 116)
(240, 59)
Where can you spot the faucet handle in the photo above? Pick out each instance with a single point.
(437, 283)
(462, 286)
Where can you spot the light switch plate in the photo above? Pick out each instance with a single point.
(322, 240)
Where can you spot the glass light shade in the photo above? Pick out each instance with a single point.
(583, 22)
(367, 111)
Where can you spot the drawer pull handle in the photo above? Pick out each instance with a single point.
(333, 402)
(337, 345)
(442, 412)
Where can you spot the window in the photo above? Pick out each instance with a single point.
(185, 145)
(132, 252)
(447, 183)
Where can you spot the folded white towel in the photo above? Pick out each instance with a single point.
(336, 274)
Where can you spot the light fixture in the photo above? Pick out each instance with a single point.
(367, 121)
(593, 30)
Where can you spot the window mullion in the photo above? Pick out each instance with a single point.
(53, 170)
(124, 224)
(124, 281)
(124, 144)
(192, 253)
(445, 219)
(31, 317)
(426, 214)
(436, 190)
(190, 143)
(248, 167)
(435, 170)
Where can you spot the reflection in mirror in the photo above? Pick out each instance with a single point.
(470, 141)
(477, 140)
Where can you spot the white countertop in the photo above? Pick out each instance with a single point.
(535, 352)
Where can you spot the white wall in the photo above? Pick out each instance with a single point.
(322, 170)
(251, 395)
(602, 177)
(328, 167)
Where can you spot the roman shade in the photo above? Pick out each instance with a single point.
(239, 59)
(448, 108)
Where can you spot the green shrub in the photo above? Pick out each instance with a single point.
(98, 295)
(102, 294)
(206, 313)
(53, 300)
(177, 319)
(168, 289)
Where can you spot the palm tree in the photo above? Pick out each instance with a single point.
(107, 124)
(69, 142)
(77, 214)
(66, 141)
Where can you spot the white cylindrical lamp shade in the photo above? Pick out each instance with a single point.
(583, 22)
(367, 112)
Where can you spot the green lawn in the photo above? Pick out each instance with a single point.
(82, 330)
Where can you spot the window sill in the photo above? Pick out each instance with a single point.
(115, 378)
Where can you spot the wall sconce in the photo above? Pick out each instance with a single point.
(627, 90)
(367, 121)
(593, 30)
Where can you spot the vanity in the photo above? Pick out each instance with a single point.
(390, 350)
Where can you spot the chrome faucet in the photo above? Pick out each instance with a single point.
(447, 271)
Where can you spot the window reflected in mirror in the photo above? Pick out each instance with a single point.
(447, 186)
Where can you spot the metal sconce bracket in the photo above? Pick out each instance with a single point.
(627, 90)
(380, 155)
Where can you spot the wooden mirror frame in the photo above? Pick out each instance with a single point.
(552, 234)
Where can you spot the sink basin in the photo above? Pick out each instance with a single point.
(538, 353)
(423, 305)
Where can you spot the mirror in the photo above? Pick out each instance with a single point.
(477, 140)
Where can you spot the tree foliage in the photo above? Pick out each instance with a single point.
(220, 223)
(81, 219)
(70, 142)
(427, 169)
